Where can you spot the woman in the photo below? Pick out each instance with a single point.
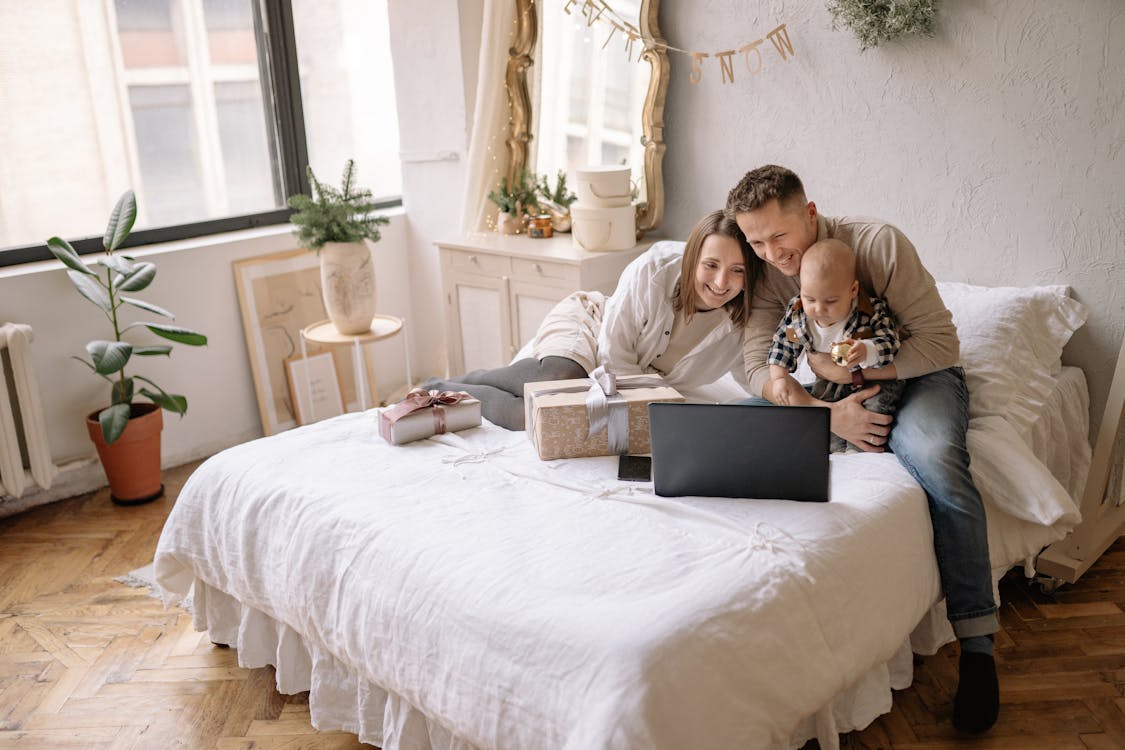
(678, 311)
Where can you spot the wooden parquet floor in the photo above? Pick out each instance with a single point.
(86, 662)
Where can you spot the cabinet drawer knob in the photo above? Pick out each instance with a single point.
(474, 259)
(538, 268)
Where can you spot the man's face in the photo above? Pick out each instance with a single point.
(780, 235)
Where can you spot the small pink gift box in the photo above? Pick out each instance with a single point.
(425, 413)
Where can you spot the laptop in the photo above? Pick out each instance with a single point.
(731, 450)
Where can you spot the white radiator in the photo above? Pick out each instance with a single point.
(16, 338)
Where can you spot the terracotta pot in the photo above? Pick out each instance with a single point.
(132, 462)
(347, 278)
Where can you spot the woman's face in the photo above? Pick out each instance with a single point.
(720, 273)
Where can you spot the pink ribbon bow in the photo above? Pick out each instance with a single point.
(418, 399)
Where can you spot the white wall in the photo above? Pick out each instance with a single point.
(195, 279)
(996, 145)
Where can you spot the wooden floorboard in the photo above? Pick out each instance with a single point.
(87, 662)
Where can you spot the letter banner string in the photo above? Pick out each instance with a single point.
(599, 11)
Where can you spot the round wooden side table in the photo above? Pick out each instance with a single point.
(382, 327)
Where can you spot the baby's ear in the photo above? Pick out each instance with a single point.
(855, 288)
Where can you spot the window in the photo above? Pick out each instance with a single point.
(209, 109)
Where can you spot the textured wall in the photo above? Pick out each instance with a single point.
(998, 145)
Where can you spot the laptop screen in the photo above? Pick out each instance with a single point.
(732, 450)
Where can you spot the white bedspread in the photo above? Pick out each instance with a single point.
(522, 604)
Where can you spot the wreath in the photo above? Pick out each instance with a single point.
(877, 21)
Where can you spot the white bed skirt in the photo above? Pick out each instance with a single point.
(340, 700)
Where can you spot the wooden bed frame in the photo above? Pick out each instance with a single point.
(1102, 515)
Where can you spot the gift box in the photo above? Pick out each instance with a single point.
(560, 414)
(425, 413)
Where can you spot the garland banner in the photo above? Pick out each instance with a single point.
(598, 11)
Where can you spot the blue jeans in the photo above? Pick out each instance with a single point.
(928, 437)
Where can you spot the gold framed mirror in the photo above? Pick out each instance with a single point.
(628, 129)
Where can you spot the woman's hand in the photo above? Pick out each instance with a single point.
(822, 365)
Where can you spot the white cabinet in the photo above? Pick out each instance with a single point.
(499, 287)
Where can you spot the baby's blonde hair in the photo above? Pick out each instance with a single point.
(828, 258)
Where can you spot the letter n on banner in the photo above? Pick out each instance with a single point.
(726, 65)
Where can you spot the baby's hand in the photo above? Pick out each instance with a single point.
(783, 391)
(856, 353)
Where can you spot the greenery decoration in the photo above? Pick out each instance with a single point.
(560, 194)
(877, 21)
(335, 215)
(517, 198)
(108, 358)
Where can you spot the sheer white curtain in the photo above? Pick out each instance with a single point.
(488, 154)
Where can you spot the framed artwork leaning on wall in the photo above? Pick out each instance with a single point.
(278, 295)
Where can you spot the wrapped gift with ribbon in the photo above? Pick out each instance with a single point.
(424, 413)
(603, 415)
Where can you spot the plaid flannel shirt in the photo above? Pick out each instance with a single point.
(870, 319)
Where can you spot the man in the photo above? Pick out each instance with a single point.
(928, 435)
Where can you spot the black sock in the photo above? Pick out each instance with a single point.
(978, 693)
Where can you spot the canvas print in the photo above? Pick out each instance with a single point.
(279, 294)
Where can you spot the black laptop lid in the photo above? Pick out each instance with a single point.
(730, 450)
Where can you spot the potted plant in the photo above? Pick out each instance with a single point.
(335, 224)
(514, 201)
(126, 433)
(556, 200)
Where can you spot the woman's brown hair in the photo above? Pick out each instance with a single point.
(684, 298)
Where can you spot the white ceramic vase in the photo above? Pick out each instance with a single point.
(508, 223)
(347, 279)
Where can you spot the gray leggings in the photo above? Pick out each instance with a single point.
(500, 391)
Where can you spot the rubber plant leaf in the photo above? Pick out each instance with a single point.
(89, 288)
(113, 420)
(109, 356)
(147, 306)
(120, 221)
(139, 279)
(118, 263)
(175, 333)
(122, 391)
(67, 255)
(152, 351)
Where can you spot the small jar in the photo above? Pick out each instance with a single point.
(540, 226)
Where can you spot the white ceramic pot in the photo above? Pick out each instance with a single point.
(604, 228)
(347, 279)
(603, 187)
(508, 223)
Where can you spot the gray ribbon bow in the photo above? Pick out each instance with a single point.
(608, 410)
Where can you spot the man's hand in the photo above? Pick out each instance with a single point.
(862, 428)
(822, 365)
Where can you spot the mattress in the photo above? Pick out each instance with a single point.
(458, 593)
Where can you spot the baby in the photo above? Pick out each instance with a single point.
(832, 314)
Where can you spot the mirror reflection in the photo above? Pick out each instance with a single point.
(588, 90)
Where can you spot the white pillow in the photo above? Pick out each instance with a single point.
(1011, 345)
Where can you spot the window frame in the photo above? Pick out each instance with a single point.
(277, 65)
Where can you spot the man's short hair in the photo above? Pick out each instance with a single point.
(762, 185)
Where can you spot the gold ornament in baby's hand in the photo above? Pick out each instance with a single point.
(839, 352)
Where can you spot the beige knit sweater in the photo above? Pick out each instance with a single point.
(887, 266)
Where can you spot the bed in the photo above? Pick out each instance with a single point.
(458, 593)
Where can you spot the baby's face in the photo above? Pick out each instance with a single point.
(827, 297)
